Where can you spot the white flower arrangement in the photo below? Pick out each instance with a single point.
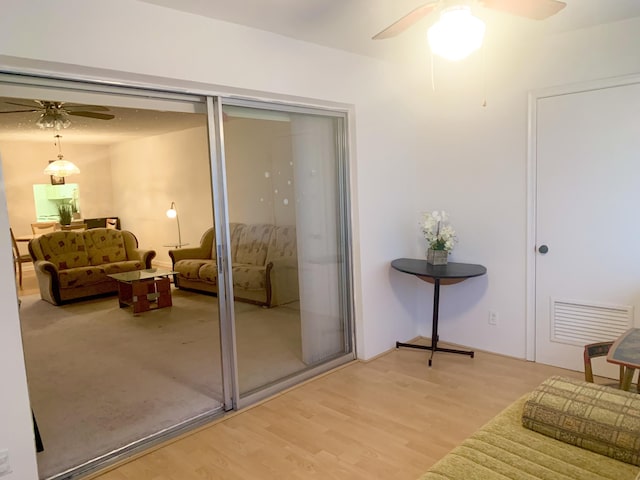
(436, 229)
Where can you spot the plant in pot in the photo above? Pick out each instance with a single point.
(440, 236)
(66, 213)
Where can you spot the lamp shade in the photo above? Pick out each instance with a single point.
(456, 34)
(61, 168)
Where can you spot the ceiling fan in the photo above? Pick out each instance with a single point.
(458, 32)
(56, 114)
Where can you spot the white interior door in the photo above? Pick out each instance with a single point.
(587, 202)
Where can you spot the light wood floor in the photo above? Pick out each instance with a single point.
(390, 418)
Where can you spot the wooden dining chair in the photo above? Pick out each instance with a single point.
(75, 226)
(44, 227)
(600, 349)
(18, 258)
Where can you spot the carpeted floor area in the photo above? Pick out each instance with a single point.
(100, 377)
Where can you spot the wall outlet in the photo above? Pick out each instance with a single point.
(493, 317)
(5, 468)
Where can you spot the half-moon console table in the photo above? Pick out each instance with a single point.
(438, 275)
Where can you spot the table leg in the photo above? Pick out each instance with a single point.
(434, 330)
(628, 377)
(434, 318)
(125, 294)
(141, 290)
(163, 287)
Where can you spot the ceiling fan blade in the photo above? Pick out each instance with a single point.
(406, 21)
(23, 105)
(19, 111)
(85, 108)
(99, 116)
(534, 9)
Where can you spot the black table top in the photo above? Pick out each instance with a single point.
(421, 268)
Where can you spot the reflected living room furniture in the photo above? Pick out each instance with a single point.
(264, 264)
(44, 227)
(144, 289)
(18, 258)
(75, 264)
(103, 222)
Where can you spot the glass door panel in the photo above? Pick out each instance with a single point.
(103, 380)
(287, 233)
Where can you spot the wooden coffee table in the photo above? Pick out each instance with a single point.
(144, 289)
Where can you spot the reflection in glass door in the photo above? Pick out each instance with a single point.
(104, 381)
(286, 200)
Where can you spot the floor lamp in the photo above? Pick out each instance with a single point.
(173, 213)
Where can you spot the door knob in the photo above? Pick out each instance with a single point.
(543, 249)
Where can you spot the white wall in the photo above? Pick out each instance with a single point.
(476, 167)
(411, 150)
(150, 173)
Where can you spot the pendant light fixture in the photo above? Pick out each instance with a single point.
(456, 34)
(61, 167)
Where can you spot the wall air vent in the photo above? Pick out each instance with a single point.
(577, 323)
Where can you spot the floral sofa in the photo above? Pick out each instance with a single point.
(76, 264)
(264, 264)
(564, 429)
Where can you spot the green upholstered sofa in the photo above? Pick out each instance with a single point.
(505, 449)
(75, 264)
(264, 264)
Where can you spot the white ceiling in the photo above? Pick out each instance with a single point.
(349, 24)
(342, 24)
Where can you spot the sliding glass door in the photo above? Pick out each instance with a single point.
(104, 380)
(258, 250)
(288, 245)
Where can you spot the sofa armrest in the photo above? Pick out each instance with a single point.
(284, 280)
(48, 281)
(190, 253)
(145, 256)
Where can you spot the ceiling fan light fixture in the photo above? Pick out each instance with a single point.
(456, 34)
(54, 120)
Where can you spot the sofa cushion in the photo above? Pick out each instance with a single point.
(253, 244)
(249, 277)
(503, 449)
(236, 230)
(598, 418)
(105, 246)
(209, 272)
(283, 243)
(81, 276)
(189, 268)
(119, 267)
(64, 249)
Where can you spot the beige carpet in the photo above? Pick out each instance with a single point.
(100, 377)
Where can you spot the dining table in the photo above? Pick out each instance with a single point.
(625, 352)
